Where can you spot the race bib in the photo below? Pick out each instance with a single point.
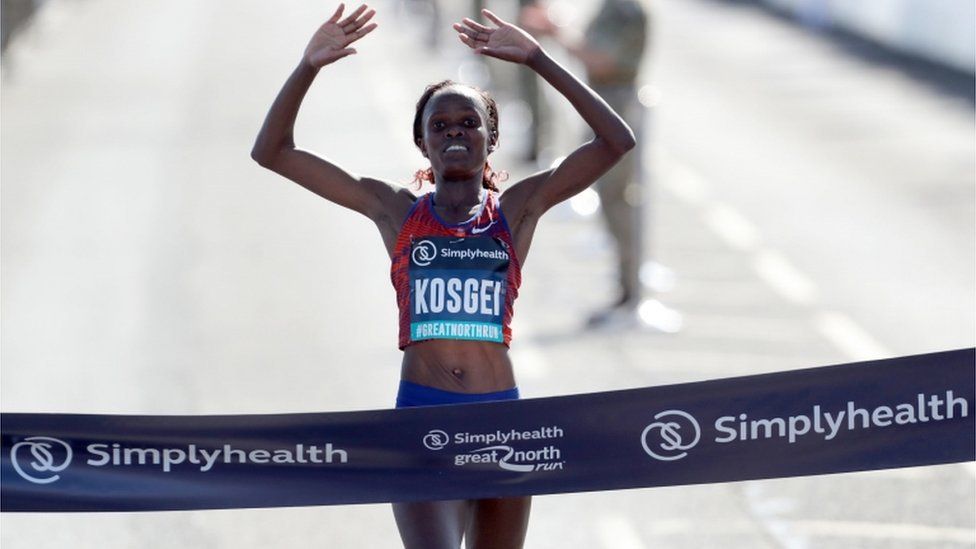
(457, 288)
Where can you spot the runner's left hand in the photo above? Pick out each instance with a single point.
(506, 41)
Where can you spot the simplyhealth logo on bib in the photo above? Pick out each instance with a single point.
(457, 288)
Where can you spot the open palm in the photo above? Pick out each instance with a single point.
(506, 41)
(331, 41)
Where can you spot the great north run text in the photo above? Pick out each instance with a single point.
(479, 331)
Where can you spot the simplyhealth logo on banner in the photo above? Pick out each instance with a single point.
(40, 460)
(675, 432)
(506, 449)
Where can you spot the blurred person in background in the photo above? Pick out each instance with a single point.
(451, 353)
(430, 10)
(611, 51)
(528, 85)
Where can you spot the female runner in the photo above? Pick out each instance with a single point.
(454, 330)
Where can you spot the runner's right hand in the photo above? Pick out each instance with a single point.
(331, 40)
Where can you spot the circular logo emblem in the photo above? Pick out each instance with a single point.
(423, 253)
(436, 439)
(671, 435)
(39, 459)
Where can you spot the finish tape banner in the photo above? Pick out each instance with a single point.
(902, 412)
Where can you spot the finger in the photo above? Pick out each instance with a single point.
(366, 17)
(338, 13)
(352, 16)
(355, 25)
(364, 31)
(494, 18)
(468, 41)
(470, 32)
(476, 25)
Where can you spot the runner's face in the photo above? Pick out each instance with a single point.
(455, 125)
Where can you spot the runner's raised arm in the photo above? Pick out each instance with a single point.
(275, 148)
(528, 199)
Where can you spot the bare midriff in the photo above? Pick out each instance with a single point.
(459, 366)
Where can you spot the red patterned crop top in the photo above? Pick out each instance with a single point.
(455, 281)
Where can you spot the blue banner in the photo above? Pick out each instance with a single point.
(901, 412)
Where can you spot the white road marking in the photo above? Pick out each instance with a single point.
(766, 511)
(784, 278)
(849, 337)
(771, 266)
(769, 507)
(784, 533)
(737, 231)
(883, 531)
(617, 532)
(677, 526)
